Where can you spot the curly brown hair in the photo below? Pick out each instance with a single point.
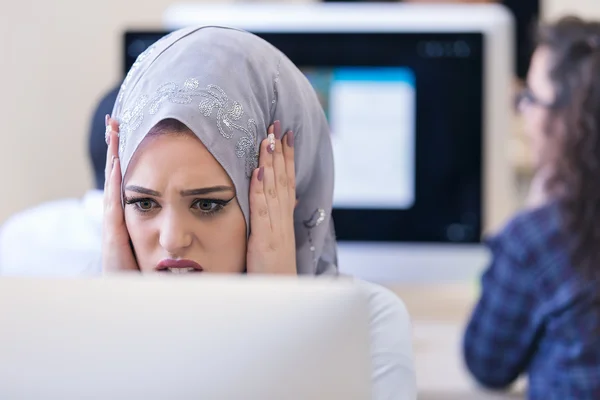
(574, 132)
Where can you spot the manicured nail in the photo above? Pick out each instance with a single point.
(277, 129)
(112, 161)
(107, 134)
(290, 138)
(106, 118)
(271, 146)
(261, 172)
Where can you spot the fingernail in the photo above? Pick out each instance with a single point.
(107, 134)
(290, 138)
(112, 161)
(261, 172)
(277, 129)
(271, 146)
(106, 118)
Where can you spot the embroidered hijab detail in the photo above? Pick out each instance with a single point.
(213, 100)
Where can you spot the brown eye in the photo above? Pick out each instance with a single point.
(144, 205)
(206, 205)
(209, 206)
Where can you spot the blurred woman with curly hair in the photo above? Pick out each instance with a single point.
(539, 311)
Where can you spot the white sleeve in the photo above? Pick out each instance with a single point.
(391, 346)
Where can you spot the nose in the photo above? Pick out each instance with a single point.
(175, 235)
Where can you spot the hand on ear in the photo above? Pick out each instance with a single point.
(117, 253)
(272, 244)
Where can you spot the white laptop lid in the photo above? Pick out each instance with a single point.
(173, 338)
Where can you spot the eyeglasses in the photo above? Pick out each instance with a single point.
(526, 96)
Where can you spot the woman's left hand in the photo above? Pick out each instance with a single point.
(272, 245)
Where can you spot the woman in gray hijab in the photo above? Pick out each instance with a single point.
(227, 87)
(201, 177)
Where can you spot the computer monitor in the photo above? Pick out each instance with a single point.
(160, 338)
(430, 85)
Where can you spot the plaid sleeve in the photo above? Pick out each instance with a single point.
(500, 336)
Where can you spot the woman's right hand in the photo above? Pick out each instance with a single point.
(117, 254)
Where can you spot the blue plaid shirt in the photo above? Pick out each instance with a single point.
(536, 314)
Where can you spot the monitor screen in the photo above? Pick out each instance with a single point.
(386, 173)
(418, 97)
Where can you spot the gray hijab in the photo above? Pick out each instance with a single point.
(228, 86)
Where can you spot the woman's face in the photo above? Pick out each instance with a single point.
(180, 208)
(539, 93)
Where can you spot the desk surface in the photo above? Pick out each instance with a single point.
(439, 313)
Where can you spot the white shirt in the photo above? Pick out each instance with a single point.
(63, 238)
(58, 238)
(394, 375)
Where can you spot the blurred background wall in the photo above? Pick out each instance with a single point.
(57, 57)
(584, 8)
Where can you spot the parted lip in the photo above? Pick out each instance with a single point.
(172, 263)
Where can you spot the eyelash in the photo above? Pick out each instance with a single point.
(218, 203)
